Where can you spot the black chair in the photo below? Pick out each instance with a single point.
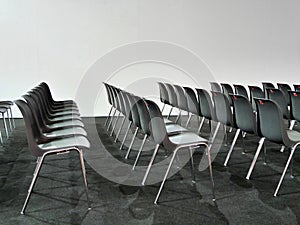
(182, 103)
(285, 88)
(240, 90)
(8, 105)
(173, 143)
(255, 92)
(296, 87)
(227, 90)
(3, 111)
(41, 150)
(214, 86)
(267, 85)
(163, 95)
(193, 104)
(110, 101)
(207, 110)
(277, 96)
(271, 126)
(294, 108)
(245, 120)
(172, 97)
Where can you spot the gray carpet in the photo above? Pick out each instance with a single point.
(59, 196)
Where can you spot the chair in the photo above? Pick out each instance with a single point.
(163, 95)
(193, 104)
(294, 108)
(271, 126)
(182, 104)
(296, 87)
(3, 111)
(110, 101)
(285, 88)
(227, 90)
(214, 86)
(172, 98)
(255, 92)
(207, 110)
(277, 96)
(245, 120)
(42, 150)
(8, 105)
(173, 143)
(240, 90)
(267, 85)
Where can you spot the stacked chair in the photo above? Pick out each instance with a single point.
(52, 127)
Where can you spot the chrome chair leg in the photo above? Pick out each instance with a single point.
(35, 175)
(140, 150)
(119, 131)
(170, 112)
(178, 116)
(111, 119)
(285, 169)
(162, 109)
(188, 121)
(115, 124)
(84, 178)
(9, 120)
(261, 142)
(211, 172)
(5, 126)
(150, 164)
(1, 139)
(111, 108)
(200, 126)
(130, 146)
(192, 165)
(232, 146)
(129, 125)
(165, 177)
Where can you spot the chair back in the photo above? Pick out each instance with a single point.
(163, 93)
(205, 104)
(295, 105)
(181, 98)
(214, 86)
(227, 90)
(285, 88)
(241, 90)
(193, 104)
(222, 107)
(172, 95)
(277, 96)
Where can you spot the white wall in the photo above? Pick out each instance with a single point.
(58, 41)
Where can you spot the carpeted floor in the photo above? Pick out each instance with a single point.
(59, 196)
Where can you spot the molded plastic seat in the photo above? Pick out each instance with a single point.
(227, 90)
(267, 85)
(214, 86)
(277, 96)
(296, 87)
(240, 90)
(255, 92)
(41, 150)
(285, 88)
(172, 97)
(193, 104)
(271, 126)
(172, 144)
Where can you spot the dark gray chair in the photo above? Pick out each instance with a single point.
(240, 90)
(227, 90)
(285, 88)
(255, 92)
(193, 104)
(214, 86)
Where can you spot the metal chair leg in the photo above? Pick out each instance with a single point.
(192, 165)
(261, 142)
(150, 164)
(140, 150)
(129, 149)
(170, 112)
(35, 175)
(84, 178)
(188, 121)
(232, 146)
(284, 171)
(1, 139)
(129, 125)
(165, 177)
(115, 124)
(111, 119)
(13, 120)
(211, 172)
(5, 126)
(111, 108)
(200, 126)
(119, 131)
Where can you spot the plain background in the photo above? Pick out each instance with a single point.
(57, 41)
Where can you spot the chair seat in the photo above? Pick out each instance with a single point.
(293, 135)
(71, 123)
(167, 121)
(67, 112)
(187, 138)
(171, 128)
(66, 117)
(66, 132)
(77, 141)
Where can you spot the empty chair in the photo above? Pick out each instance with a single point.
(163, 95)
(227, 90)
(110, 101)
(173, 143)
(182, 104)
(294, 107)
(244, 118)
(172, 97)
(193, 104)
(41, 150)
(8, 105)
(240, 90)
(285, 88)
(296, 87)
(271, 126)
(3, 111)
(277, 96)
(267, 85)
(255, 92)
(207, 110)
(214, 86)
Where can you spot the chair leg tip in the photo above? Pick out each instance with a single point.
(22, 213)
(89, 208)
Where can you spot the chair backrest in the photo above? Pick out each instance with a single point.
(295, 105)
(143, 115)
(134, 110)
(172, 95)
(121, 101)
(163, 93)
(243, 113)
(108, 93)
(181, 97)
(192, 101)
(214, 86)
(255, 92)
(240, 90)
(31, 129)
(205, 104)
(227, 90)
(267, 85)
(270, 122)
(285, 88)
(222, 107)
(277, 96)
(127, 105)
(296, 87)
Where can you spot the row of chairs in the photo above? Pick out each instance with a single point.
(52, 127)
(6, 114)
(265, 120)
(147, 118)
